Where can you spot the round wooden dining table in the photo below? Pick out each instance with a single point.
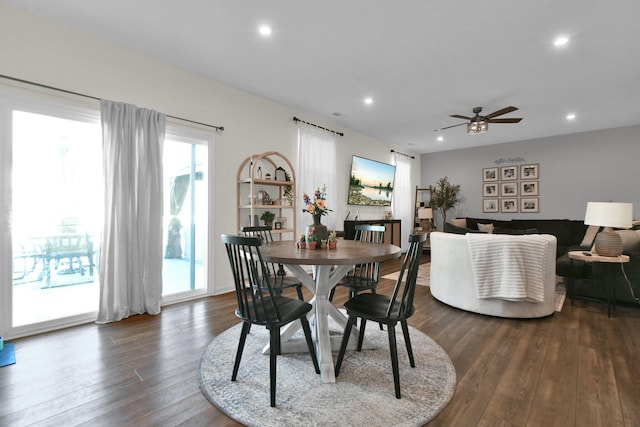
(329, 266)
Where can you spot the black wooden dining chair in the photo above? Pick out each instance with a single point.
(363, 276)
(388, 309)
(282, 280)
(259, 304)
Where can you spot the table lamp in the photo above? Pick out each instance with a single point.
(425, 214)
(608, 215)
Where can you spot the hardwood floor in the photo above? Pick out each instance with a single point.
(575, 368)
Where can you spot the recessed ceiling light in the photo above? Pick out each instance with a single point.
(440, 138)
(368, 100)
(561, 41)
(265, 30)
(571, 116)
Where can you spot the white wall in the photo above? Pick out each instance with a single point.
(35, 49)
(574, 169)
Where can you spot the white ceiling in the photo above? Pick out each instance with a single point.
(419, 60)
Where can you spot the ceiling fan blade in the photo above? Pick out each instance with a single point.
(513, 120)
(458, 116)
(501, 112)
(448, 127)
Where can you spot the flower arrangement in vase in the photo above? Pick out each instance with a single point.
(317, 208)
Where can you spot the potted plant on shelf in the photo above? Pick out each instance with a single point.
(444, 197)
(267, 217)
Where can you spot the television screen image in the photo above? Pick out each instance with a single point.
(371, 182)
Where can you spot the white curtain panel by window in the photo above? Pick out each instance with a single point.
(131, 252)
(316, 168)
(402, 203)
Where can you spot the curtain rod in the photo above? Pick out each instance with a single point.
(219, 128)
(295, 119)
(406, 155)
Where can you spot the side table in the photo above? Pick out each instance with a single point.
(610, 263)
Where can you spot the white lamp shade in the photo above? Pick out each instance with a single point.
(609, 214)
(425, 213)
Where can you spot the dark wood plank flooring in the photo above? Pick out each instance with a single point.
(575, 368)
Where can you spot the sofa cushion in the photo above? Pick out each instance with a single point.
(450, 228)
(514, 231)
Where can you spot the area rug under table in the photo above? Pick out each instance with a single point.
(362, 395)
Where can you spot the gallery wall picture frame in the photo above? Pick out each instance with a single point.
(528, 188)
(489, 174)
(509, 205)
(529, 204)
(509, 189)
(509, 173)
(489, 205)
(530, 171)
(490, 190)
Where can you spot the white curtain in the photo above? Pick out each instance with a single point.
(131, 251)
(402, 203)
(316, 168)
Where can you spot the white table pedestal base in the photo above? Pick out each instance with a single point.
(325, 278)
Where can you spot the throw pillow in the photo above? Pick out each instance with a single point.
(459, 222)
(630, 240)
(485, 228)
(590, 235)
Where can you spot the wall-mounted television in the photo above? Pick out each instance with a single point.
(370, 183)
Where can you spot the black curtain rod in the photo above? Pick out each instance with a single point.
(406, 155)
(219, 128)
(295, 119)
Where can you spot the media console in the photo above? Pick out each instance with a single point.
(391, 235)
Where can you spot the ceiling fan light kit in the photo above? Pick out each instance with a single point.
(477, 127)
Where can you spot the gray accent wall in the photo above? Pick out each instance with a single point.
(574, 169)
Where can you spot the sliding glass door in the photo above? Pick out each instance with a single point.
(51, 221)
(186, 214)
(56, 200)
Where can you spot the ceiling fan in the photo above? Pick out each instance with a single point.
(480, 124)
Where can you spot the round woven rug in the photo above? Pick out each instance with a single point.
(362, 395)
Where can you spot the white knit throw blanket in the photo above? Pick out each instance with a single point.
(508, 267)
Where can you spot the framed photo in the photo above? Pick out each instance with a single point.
(489, 205)
(277, 225)
(508, 205)
(509, 189)
(509, 173)
(489, 174)
(529, 204)
(528, 188)
(529, 171)
(490, 190)
(282, 220)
